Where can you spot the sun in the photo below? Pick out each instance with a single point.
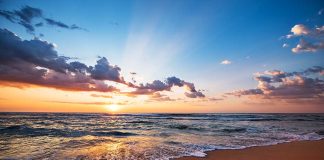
(112, 107)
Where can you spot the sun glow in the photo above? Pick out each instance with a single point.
(112, 108)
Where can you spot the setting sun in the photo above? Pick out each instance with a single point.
(112, 107)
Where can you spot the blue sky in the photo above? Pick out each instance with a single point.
(183, 38)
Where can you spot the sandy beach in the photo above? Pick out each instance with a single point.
(301, 150)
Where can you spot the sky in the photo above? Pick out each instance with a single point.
(184, 56)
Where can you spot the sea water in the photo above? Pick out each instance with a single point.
(146, 136)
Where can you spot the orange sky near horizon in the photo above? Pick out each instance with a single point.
(161, 57)
(42, 99)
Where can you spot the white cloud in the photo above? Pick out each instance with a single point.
(285, 45)
(226, 62)
(289, 36)
(300, 29)
(311, 39)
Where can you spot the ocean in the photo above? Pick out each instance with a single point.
(146, 136)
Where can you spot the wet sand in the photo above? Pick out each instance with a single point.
(301, 150)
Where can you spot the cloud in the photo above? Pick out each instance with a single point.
(300, 29)
(104, 71)
(82, 103)
(226, 62)
(305, 46)
(215, 99)
(53, 22)
(27, 15)
(285, 45)
(157, 85)
(194, 94)
(56, 23)
(320, 12)
(166, 85)
(36, 62)
(101, 96)
(292, 86)
(160, 97)
(312, 39)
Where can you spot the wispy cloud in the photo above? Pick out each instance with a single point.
(320, 12)
(285, 45)
(82, 103)
(226, 62)
(101, 96)
(31, 18)
(160, 97)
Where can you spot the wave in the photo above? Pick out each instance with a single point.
(113, 133)
(178, 126)
(185, 127)
(140, 122)
(320, 132)
(24, 130)
(265, 119)
(232, 130)
(200, 150)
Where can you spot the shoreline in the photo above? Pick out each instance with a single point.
(295, 150)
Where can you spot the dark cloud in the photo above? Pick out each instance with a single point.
(56, 23)
(240, 93)
(27, 15)
(194, 94)
(53, 22)
(174, 81)
(314, 70)
(40, 24)
(104, 71)
(78, 67)
(36, 62)
(292, 86)
(8, 15)
(74, 26)
(156, 85)
(37, 52)
(170, 82)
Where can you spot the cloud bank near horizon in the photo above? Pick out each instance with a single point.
(291, 87)
(37, 62)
